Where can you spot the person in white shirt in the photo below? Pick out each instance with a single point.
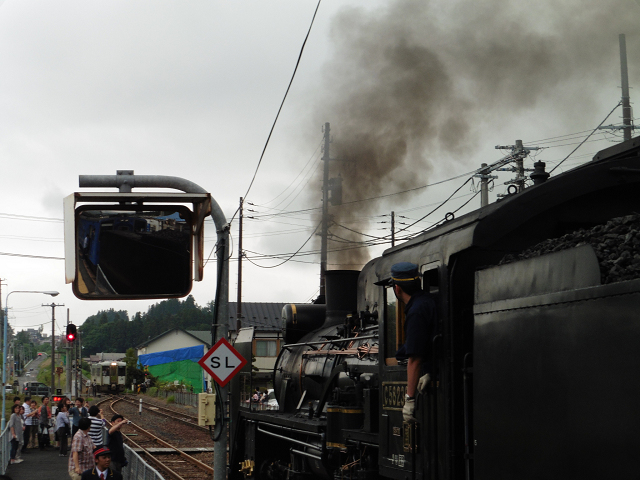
(28, 421)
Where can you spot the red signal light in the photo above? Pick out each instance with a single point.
(71, 332)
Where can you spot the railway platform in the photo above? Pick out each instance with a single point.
(40, 464)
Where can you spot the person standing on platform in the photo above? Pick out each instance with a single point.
(44, 415)
(62, 422)
(21, 444)
(77, 412)
(96, 426)
(15, 425)
(81, 458)
(28, 420)
(33, 431)
(116, 443)
(102, 469)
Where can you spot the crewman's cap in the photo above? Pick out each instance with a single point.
(100, 451)
(402, 273)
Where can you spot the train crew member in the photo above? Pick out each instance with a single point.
(101, 471)
(421, 323)
(81, 458)
(118, 460)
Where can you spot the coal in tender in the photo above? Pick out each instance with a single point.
(616, 243)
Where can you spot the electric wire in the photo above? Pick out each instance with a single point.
(292, 255)
(587, 137)
(275, 121)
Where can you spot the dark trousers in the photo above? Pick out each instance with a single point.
(33, 431)
(62, 436)
(44, 440)
(27, 431)
(14, 447)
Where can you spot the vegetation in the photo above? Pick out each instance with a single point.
(113, 331)
(171, 399)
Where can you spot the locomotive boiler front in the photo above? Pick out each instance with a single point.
(319, 357)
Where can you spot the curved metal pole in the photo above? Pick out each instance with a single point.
(125, 181)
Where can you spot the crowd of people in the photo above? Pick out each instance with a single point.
(93, 455)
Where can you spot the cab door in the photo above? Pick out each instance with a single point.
(405, 448)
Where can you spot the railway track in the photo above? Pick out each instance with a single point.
(183, 417)
(172, 460)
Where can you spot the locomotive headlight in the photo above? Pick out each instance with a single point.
(114, 363)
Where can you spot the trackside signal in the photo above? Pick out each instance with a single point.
(72, 332)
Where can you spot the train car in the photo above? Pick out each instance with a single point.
(110, 377)
(534, 362)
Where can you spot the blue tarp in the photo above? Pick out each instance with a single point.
(158, 358)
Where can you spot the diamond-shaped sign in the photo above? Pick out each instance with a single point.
(222, 362)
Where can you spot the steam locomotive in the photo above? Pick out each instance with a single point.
(535, 362)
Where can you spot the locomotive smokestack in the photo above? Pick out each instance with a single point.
(341, 288)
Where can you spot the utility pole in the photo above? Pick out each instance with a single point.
(325, 208)
(239, 299)
(518, 153)
(53, 342)
(626, 103)
(333, 185)
(627, 121)
(393, 228)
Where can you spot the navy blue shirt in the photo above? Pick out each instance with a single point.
(420, 326)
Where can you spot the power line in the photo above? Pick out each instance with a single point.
(587, 137)
(30, 256)
(292, 255)
(273, 126)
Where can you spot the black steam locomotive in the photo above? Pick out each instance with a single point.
(535, 359)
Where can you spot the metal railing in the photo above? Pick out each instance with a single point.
(180, 398)
(137, 468)
(5, 450)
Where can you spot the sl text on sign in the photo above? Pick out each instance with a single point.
(222, 362)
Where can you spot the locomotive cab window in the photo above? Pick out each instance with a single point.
(394, 312)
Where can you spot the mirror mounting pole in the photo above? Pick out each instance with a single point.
(125, 181)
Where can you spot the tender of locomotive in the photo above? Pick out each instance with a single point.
(535, 360)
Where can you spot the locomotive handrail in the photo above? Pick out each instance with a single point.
(349, 339)
(292, 440)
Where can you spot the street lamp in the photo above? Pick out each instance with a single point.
(4, 348)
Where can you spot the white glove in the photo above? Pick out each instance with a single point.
(408, 410)
(423, 382)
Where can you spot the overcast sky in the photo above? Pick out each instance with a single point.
(416, 92)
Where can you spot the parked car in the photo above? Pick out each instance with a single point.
(35, 388)
(8, 389)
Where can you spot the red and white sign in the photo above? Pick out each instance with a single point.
(222, 362)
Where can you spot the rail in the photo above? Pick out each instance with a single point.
(136, 469)
(183, 455)
(5, 450)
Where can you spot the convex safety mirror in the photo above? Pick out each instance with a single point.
(132, 251)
